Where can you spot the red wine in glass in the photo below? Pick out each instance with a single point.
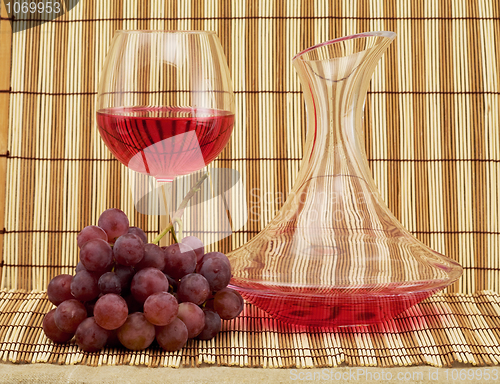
(165, 142)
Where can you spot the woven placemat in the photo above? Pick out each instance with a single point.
(431, 135)
(441, 330)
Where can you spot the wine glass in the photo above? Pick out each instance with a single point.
(165, 104)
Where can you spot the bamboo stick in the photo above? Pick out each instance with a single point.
(5, 60)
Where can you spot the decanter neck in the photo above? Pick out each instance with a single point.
(335, 77)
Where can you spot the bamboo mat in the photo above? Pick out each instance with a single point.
(444, 329)
(431, 133)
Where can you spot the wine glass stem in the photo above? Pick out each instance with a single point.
(165, 220)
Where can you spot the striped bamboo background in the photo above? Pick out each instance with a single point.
(431, 130)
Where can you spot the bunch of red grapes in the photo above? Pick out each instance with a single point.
(129, 292)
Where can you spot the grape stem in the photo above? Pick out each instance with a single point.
(172, 231)
(163, 233)
(178, 214)
(179, 222)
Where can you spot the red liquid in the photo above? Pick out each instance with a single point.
(165, 142)
(333, 308)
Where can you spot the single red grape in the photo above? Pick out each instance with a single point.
(79, 267)
(193, 317)
(52, 331)
(146, 282)
(173, 336)
(160, 308)
(114, 222)
(90, 337)
(197, 246)
(180, 260)
(139, 232)
(96, 256)
(154, 257)
(137, 333)
(125, 274)
(228, 303)
(128, 249)
(90, 232)
(216, 269)
(193, 288)
(84, 286)
(69, 314)
(212, 325)
(109, 282)
(110, 311)
(59, 289)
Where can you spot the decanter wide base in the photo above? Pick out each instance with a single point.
(335, 308)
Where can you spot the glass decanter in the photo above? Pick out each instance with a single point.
(335, 255)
